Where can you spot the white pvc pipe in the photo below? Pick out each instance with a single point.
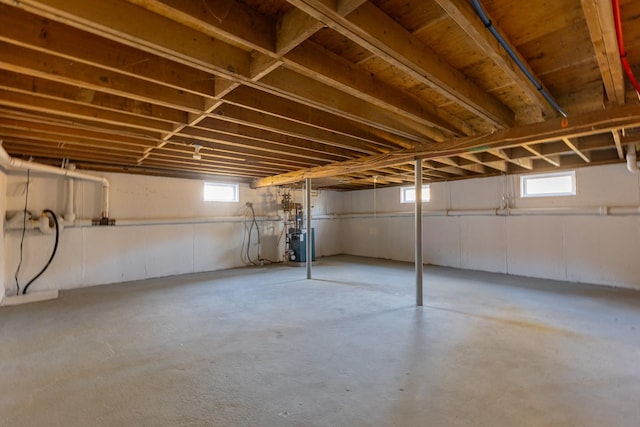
(9, 162)
(624, 210)
(632, 163)
(598, 210)
(16, 222)
(69, 215)
(471, 212)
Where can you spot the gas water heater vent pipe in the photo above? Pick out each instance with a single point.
(8, 162)
(487, 23)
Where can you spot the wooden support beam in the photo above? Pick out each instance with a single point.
(283, 141)
(436, 164)
(285, 147)
(500, 153)
(617, 139)
(599, 16)
(70, 145)
(464, 15)
(84, 123)
(271, 104)
(574, 147)
(79, 111)
(52, 37)
(34, 148)
(536, 150)
(191, 47)
(49, 67)
(472, 167)
(476, 158)
(587, 124)
(120, 20)
(293, 28)
(62, 131)
(314, 61)
(322, 140)
(303, 89)
(223, 19)
(374, 30)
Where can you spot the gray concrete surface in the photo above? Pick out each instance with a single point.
(263, 347)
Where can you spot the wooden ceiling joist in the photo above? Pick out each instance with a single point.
(587, 124)
(377, 32)
(463, 14)
(574, 147)
(336, 90)
(599, 16)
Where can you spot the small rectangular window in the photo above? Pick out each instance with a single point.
(220, 192)
(548, 184)
(408, 194)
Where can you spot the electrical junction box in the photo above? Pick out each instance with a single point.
(299, 246)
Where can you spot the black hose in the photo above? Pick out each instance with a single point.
(249, 243)
(24, 229)
(53, 253)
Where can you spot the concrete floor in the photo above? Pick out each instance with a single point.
(261, 347)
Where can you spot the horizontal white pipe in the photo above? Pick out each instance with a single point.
(201, 220)
(599, 210)
(594, 210)
(471, 212)
(443, 212)
(33, 224)
(624, 210)
(8, 162)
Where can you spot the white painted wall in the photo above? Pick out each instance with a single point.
(98, 255)
(3, 202)
(579, 248)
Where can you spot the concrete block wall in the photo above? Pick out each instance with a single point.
(578, 247)
(98, 255)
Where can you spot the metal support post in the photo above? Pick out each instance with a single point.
(418, 218)
(307, 202)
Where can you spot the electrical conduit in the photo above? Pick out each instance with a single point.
(487, 23)
(623, 54)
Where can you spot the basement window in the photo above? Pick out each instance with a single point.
(220, 192)
(548, 184)
(408, 194)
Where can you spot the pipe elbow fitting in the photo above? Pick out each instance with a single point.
(45, 226)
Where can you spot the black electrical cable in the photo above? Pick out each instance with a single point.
(24, 229)
(254, 222)
(249, 244)
(53, 253)
(245, 251)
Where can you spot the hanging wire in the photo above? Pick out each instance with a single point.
(24, 229)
